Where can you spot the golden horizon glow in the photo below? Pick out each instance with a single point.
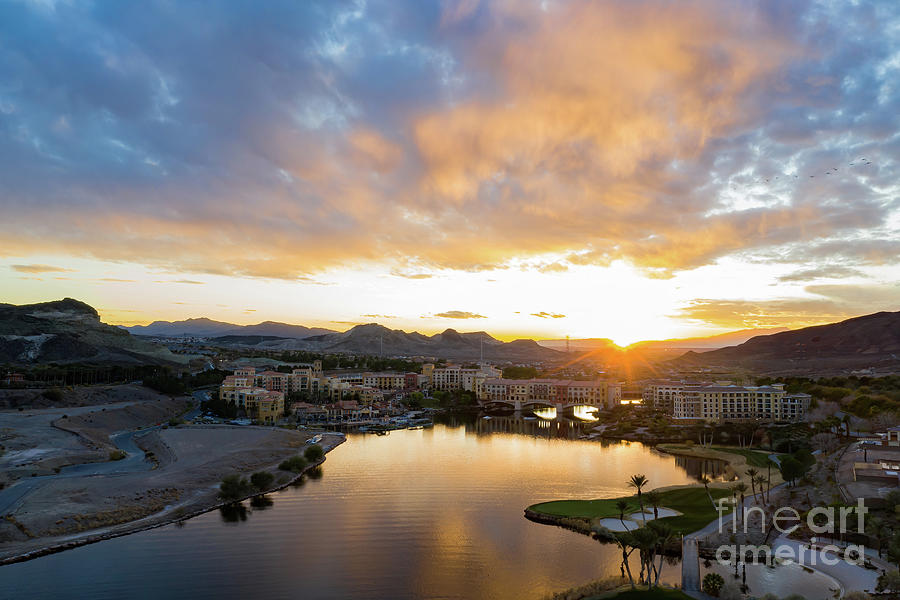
(504, 303)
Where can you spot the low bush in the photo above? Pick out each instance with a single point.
(295, 464)
(234, 487)
(262, 480)
(314, 453)
(117, 455)
(712, 584)
(53, 395)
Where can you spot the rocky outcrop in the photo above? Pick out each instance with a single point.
(69, 331)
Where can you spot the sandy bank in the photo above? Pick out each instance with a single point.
(179, 480)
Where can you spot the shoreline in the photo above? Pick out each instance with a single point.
(126, 530)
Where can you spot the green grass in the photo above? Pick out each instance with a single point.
(755, 458)
(656, 594)
(692, 502)
(694, 505)
(590, 509)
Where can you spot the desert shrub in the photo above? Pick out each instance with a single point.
(712, 584)
(888, 581)
(314, 453)
(262, 480)
(53, 395)
(234, 487)
(294, 464)
(117, 455)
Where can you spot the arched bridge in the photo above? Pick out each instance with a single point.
(559, 405)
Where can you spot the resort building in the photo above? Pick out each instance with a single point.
(661, 394)
(261, 405)
(459, 378)
(366, 388)
(550, 391)
(728, 402)
(385, 381)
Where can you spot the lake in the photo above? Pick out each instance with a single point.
(432, 513)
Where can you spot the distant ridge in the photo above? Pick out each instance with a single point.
(203, 327)
(870, 341)
(369, 338)
(372, 338)
(722, 340)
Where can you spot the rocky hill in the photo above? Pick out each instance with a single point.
(447, 344)
(871, 341)
(68, 331)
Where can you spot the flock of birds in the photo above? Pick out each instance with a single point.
(861, 161)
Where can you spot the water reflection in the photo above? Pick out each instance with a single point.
(233, 513)
(261, 502)
(698, 468)
(417, 513)
(546, 412)
(541, 422)
(585, 413)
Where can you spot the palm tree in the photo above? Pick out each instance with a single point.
(664, 535)
(760, 480)
(705, 481)
(740, 488)
(845, 420)
(646, 540)
(627, 545)
(622, 506)
(653, 499)
(638, 482)
(752, 473)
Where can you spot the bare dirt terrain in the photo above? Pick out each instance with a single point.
(40, 441)
(178, 475)
(87, 395)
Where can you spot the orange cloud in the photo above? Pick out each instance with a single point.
(587, 130)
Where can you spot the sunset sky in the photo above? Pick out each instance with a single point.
(631, 170)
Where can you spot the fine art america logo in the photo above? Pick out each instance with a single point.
(826, 521)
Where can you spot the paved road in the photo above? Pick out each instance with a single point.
(850, 576)
(14, 495)
(690, 564)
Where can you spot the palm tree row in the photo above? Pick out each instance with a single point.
(650, 542)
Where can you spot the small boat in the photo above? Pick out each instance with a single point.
(315, 439)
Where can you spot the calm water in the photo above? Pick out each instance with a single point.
(433, 513)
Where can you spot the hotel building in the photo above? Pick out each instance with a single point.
(459, 378)
(728, 402)
(550, 391)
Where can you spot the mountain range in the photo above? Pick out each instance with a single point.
(379, 340)
(711, 342)
(204, 327)
(871, 341)
(370, 338)
(69, 331)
